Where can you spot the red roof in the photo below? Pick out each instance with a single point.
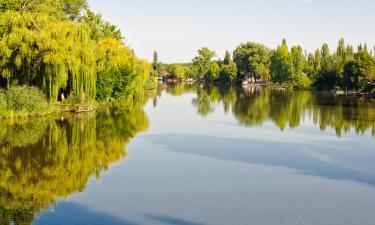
(165, 73)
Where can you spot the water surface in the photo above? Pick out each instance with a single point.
(196, 155)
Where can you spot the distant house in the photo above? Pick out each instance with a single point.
(165, 73)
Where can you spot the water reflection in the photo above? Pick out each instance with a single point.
(43, 160)
(324, 159)
(255, 106)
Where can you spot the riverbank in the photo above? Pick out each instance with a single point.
(23, 101)
(218, 83)
(247, 85)
(76, 108)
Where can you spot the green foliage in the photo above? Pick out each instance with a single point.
(101, 29)
(253, 58)
(318, 60)
(62, 9)
(303, 81)
(327, 78)
(121, 75)
(326, 71)
(364, 68)
(23, 101)
(309, 68)
(155, 61)
(227, 58)
(228, 72)
(343, 69)
(281, 64)
(64, 58)
(6, 5)
(3, 103)
(74, 8)
(298, 76)
(298, 62)
(179, 71)
(346, 69)
(213, 72)
(203, 62)
(326, 58)
(122, 87)
(150, 84)
(350, 81)
(63, 47)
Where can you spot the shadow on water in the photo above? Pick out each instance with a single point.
(47, 159)
(75, 214)
(323, 160)
(172, 220)
(80, 215)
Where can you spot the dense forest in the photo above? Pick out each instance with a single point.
(50, 49)
(344, 69)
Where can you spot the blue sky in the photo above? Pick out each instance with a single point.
(177, 28)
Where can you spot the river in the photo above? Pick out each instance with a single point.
(195, 155)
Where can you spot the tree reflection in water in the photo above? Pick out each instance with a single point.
(255, 106)
(45, 159)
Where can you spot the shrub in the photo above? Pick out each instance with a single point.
(22, 100)
(303, 82)
(228, 73)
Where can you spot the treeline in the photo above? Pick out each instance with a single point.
(62, 47)
(346, 68)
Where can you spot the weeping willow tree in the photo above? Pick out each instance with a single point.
(37, 49)
(61, 46)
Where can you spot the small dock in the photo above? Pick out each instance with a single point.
(76, 108)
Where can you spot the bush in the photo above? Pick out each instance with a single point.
(228, 73)
(73, 99)
(23, 101)
(303, 82)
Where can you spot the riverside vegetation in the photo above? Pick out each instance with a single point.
(345, 69)
(49, 48)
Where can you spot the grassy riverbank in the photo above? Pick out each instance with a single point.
(24, 101)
